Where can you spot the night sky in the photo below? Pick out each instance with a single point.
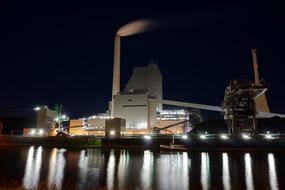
(63, 53)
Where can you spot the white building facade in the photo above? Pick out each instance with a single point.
(132, 104)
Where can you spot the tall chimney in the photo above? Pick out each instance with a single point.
(260, 101)
(255, 67)
(116, 70)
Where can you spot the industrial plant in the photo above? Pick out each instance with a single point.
(137, 109)
(132, 106)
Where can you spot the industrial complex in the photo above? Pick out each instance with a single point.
(132, 105)
(138, 106)
(137, 109)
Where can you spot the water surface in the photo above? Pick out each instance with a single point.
(36, 166)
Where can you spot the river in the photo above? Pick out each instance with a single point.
(58, 168)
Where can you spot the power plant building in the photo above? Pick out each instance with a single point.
(132, 103)
(146, 80)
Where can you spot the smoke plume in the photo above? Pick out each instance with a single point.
(137, 27)
(146, 25)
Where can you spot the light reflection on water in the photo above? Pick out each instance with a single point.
(111, 170)
(88, 164)
(147, 170)
(272, 172)
(121, 169)
(27, 181)
(33, 168)
(172, 171)
(83, 167)
(56, 168)
(226, 172)
(205, 171)
(186, 164)
(248, 172)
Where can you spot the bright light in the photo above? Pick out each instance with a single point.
(37, 108)
(184, 137)
(147, 137)
(224, 137)
(268, 136)
(63, 116)
(203, 137)
(246, 137)
(56, 119)
(33, 131)
(112, 133)
(41, 131)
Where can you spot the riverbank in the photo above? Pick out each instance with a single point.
(192, 143)
(51, 142)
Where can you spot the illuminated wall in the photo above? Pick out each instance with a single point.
(133, 108)
(35, 132)
(94, 125)
(45, 117)
(177, 129)
(169, 117)
(146, 79)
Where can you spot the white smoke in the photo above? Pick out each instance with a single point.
(137, 27)
(146, 25)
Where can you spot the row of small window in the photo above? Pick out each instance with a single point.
(138, 126)
(88, 128)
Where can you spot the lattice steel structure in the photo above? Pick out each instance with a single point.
(239, 106)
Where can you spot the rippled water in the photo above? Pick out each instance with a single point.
(121, 169)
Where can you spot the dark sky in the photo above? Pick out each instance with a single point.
(63, 53)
